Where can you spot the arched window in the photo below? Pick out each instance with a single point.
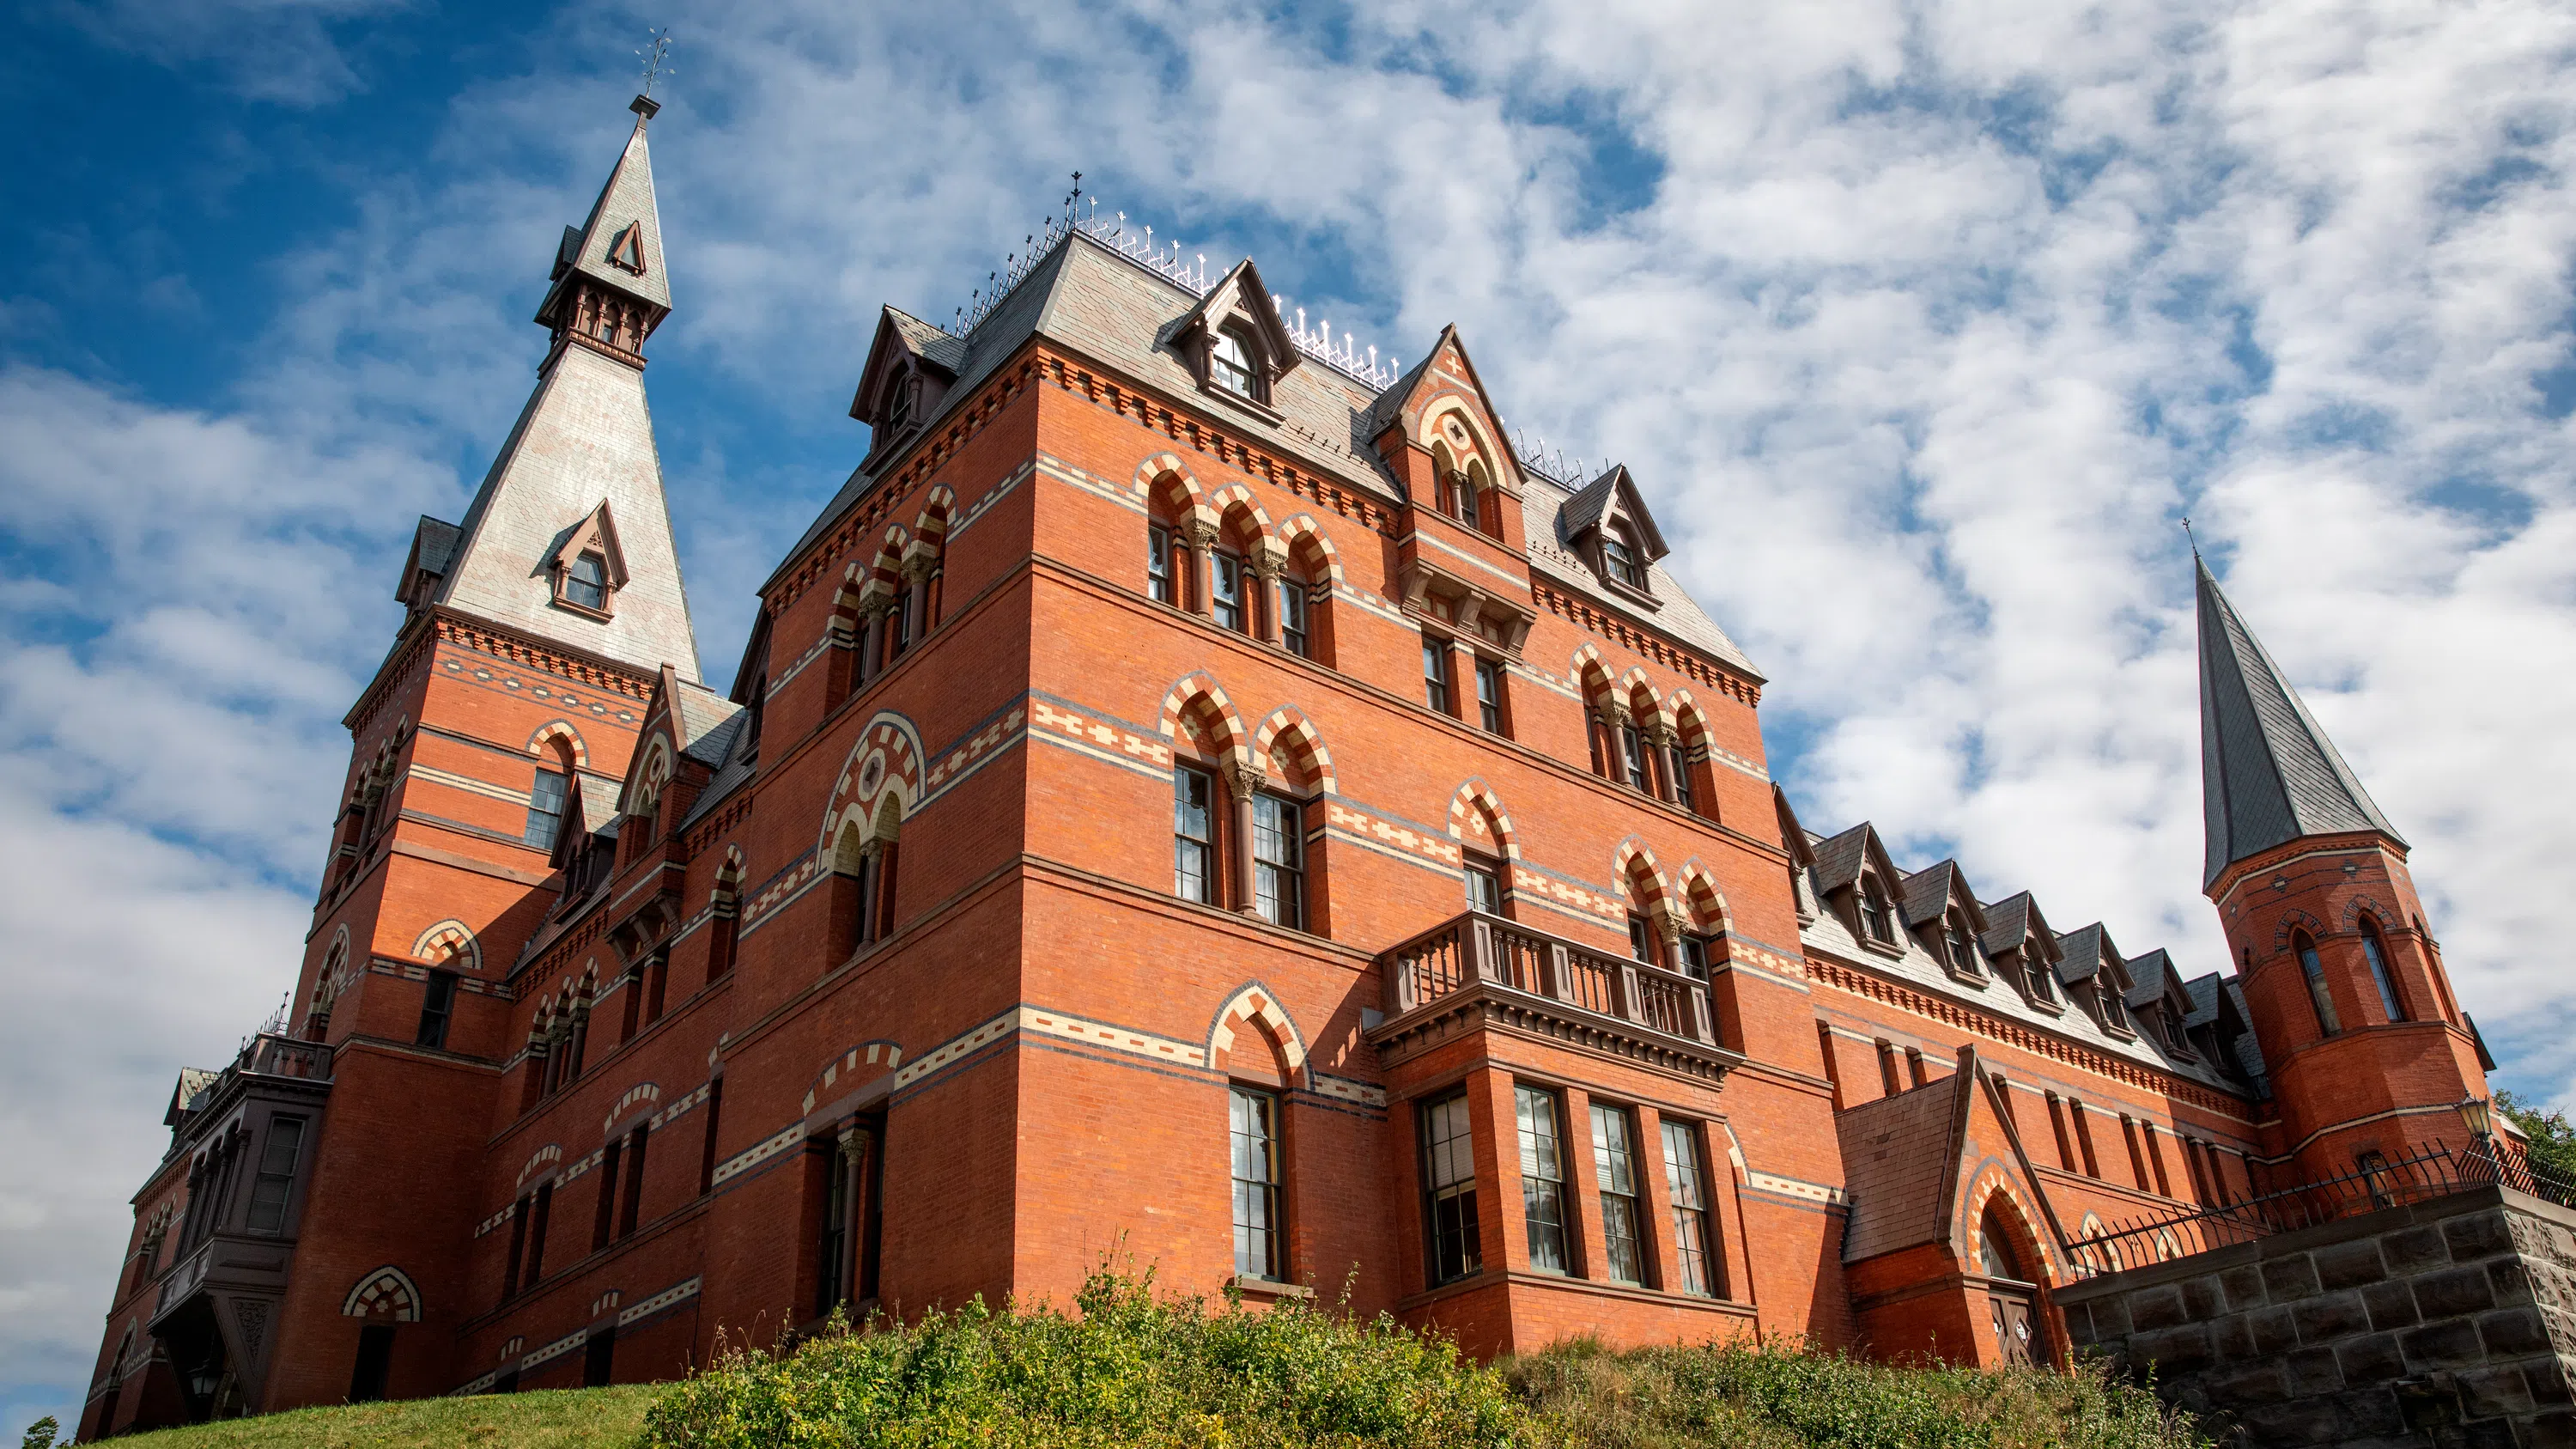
(1230, 364)
(2378, 956)
(1963, 952)
(1874, 919)
(2318, 995)
(1996, 1255)
(586, 581)
(1294, 635)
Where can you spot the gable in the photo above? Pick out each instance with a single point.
(1443, 386)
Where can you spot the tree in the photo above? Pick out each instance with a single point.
(40, 1434)
(2552, 1139)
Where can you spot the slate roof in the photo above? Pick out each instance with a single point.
(627, 200)
(1839, 859)
(928, 340)
(1542, 499)
(2080, 952)
(1900, 1155)
(1927, 892)
(1584, 507)
(2007, 922)
(2268, 774)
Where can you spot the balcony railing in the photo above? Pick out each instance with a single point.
(1477, 948)
(270, 1055)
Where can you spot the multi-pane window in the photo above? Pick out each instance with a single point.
(1484, 885)
(1462, 492)
(1641, 939)
(2043, 978)
(1230, 364)
(437, 1004)
(1614, 1164)
(1632, 755)
(2317, 993)
(1225, 592)
(1435, 674)
(1677, 765)
(1489, 695)
(1279, 861)
(1449, 1226)
(1542, 1177)
(1873, 912)
(1159, 571)
(2379, 972)
(1687, 1186)
(276, 1176)
(1963, 952)
(899, 624)
(832, 1251)
(1292, 617)
(586, 581)
(1258, 1237)
(1194, 834)
(546, 808)
(1694, 954)
(1621, 558)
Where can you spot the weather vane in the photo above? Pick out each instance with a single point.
(655, 57)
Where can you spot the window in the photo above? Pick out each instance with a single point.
(2043, 980)
(603, 1217)
(898, 625)
(1489, 695)
(276, 1177)
(1632, 755)
(1619, 558)
(1463, 489)
(1484, 885)
(1542, 1178)
(1963, 952)
(1292, 617)
(2379, 971)
(1694, 953)
(1687, 1186)
(1435, 674)
(1230, 364)
(833, 1248)
(1194, 835)
(2318, 995)
(541, 1214)
(545, 808)
(1614, 1164)
(707, 1144)
(1159, 572)
(586, 581)
(1225, 596)
(2115, 1011)
(633, 1209)
(2169, 1023)
(1279, 861)
(437, 1004)
(1449, 1191)
(1874, 921)
(1677, 765)
(898, 403)
(1258, 1236)
(1641, 940)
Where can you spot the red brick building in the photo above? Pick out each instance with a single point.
(1194, 795)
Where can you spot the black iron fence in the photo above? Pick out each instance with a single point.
(2368, 1187)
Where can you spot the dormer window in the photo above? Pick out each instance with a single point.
(898, 411)
(1874, 920)
(586, 582)
(1963, 952)
(2043, 980)
(2169, 1025)
(1230, 364)
(2115, 1012)
(1619, 558)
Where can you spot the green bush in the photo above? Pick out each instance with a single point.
(1130, 1368)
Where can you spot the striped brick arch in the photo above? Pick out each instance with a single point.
(1706, 904)
(850, 1070)
(1590, 675)
(2291, 924)
(1684, 711)
(1166, 486)
(1992, 1182)
(1477, 818)
(1636, 870)
(1255, 1009)
(387, 1292)
(887, 756)
(545, 1156)
(449, 943)
(1197, 711)
(559, 734)
(1310, 552)
(1289, 745)
(938, 510)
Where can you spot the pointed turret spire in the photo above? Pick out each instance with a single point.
(2268, 774)
(569, 538)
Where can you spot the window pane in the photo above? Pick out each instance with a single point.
(587, 582)
(1279, 860)
(1632, 746)
(1193, 835)
(1158, 563)
(1227, 596)
(2379, 974)
(1449, 1191)
(545, 809)
(1689, 1193)
(1292, 615)
(2317, 992)
(1489, 694)
(1542, 1177)
(1231, 365)
(1435, 674)
(1254, 1132)
(1614, 1167)
(1484, 890)
(1678, 761)
(276, 1175)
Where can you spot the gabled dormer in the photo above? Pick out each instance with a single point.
(911, 365)
(1946, 920)
(2096, 976)
(2218, 1028)
(2022, 948)
(587, 567)
(1235, 342)
(1608, 526)
(1801, 847)
(2159, 1005)
(1856, 880)
(433, 545)
(1438, 432)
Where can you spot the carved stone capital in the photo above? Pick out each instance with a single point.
(1242, 778)
(1199, 533)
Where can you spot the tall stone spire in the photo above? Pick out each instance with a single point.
(2268, 774)
(570, 536)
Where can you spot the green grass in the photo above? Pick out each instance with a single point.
(1129, 1368)
(553, 1419)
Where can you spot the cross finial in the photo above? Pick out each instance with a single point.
(655, 57)
(2188, 534)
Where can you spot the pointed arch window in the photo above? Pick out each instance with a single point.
(1620, 557)
(2318, 994)
(586, 582)
(1875, 922)
(1230, 364)
(1194, 828)
(1293, 635)
(2043, 977)
(1962, 951)
(2378, 957)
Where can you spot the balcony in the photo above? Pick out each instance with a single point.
(1480, 970)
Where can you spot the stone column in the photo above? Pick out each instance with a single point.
(1614, 750)
(1241, 779)
(1267, 567)
(916, 572)
(856, 1141)
(1201, 538)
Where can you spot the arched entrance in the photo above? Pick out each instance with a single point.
(2005, 1259)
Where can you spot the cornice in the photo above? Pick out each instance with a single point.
(1488, 1006)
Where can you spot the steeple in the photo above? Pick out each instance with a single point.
(2268, 774)
(569, 538)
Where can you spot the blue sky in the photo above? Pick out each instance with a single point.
(1922, 324)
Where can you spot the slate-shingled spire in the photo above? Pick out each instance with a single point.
(2268, 774)
(580, 472)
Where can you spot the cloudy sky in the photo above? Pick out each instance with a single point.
(1923, 325)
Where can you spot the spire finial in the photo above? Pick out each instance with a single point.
(656, 59)
(2188, 534)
